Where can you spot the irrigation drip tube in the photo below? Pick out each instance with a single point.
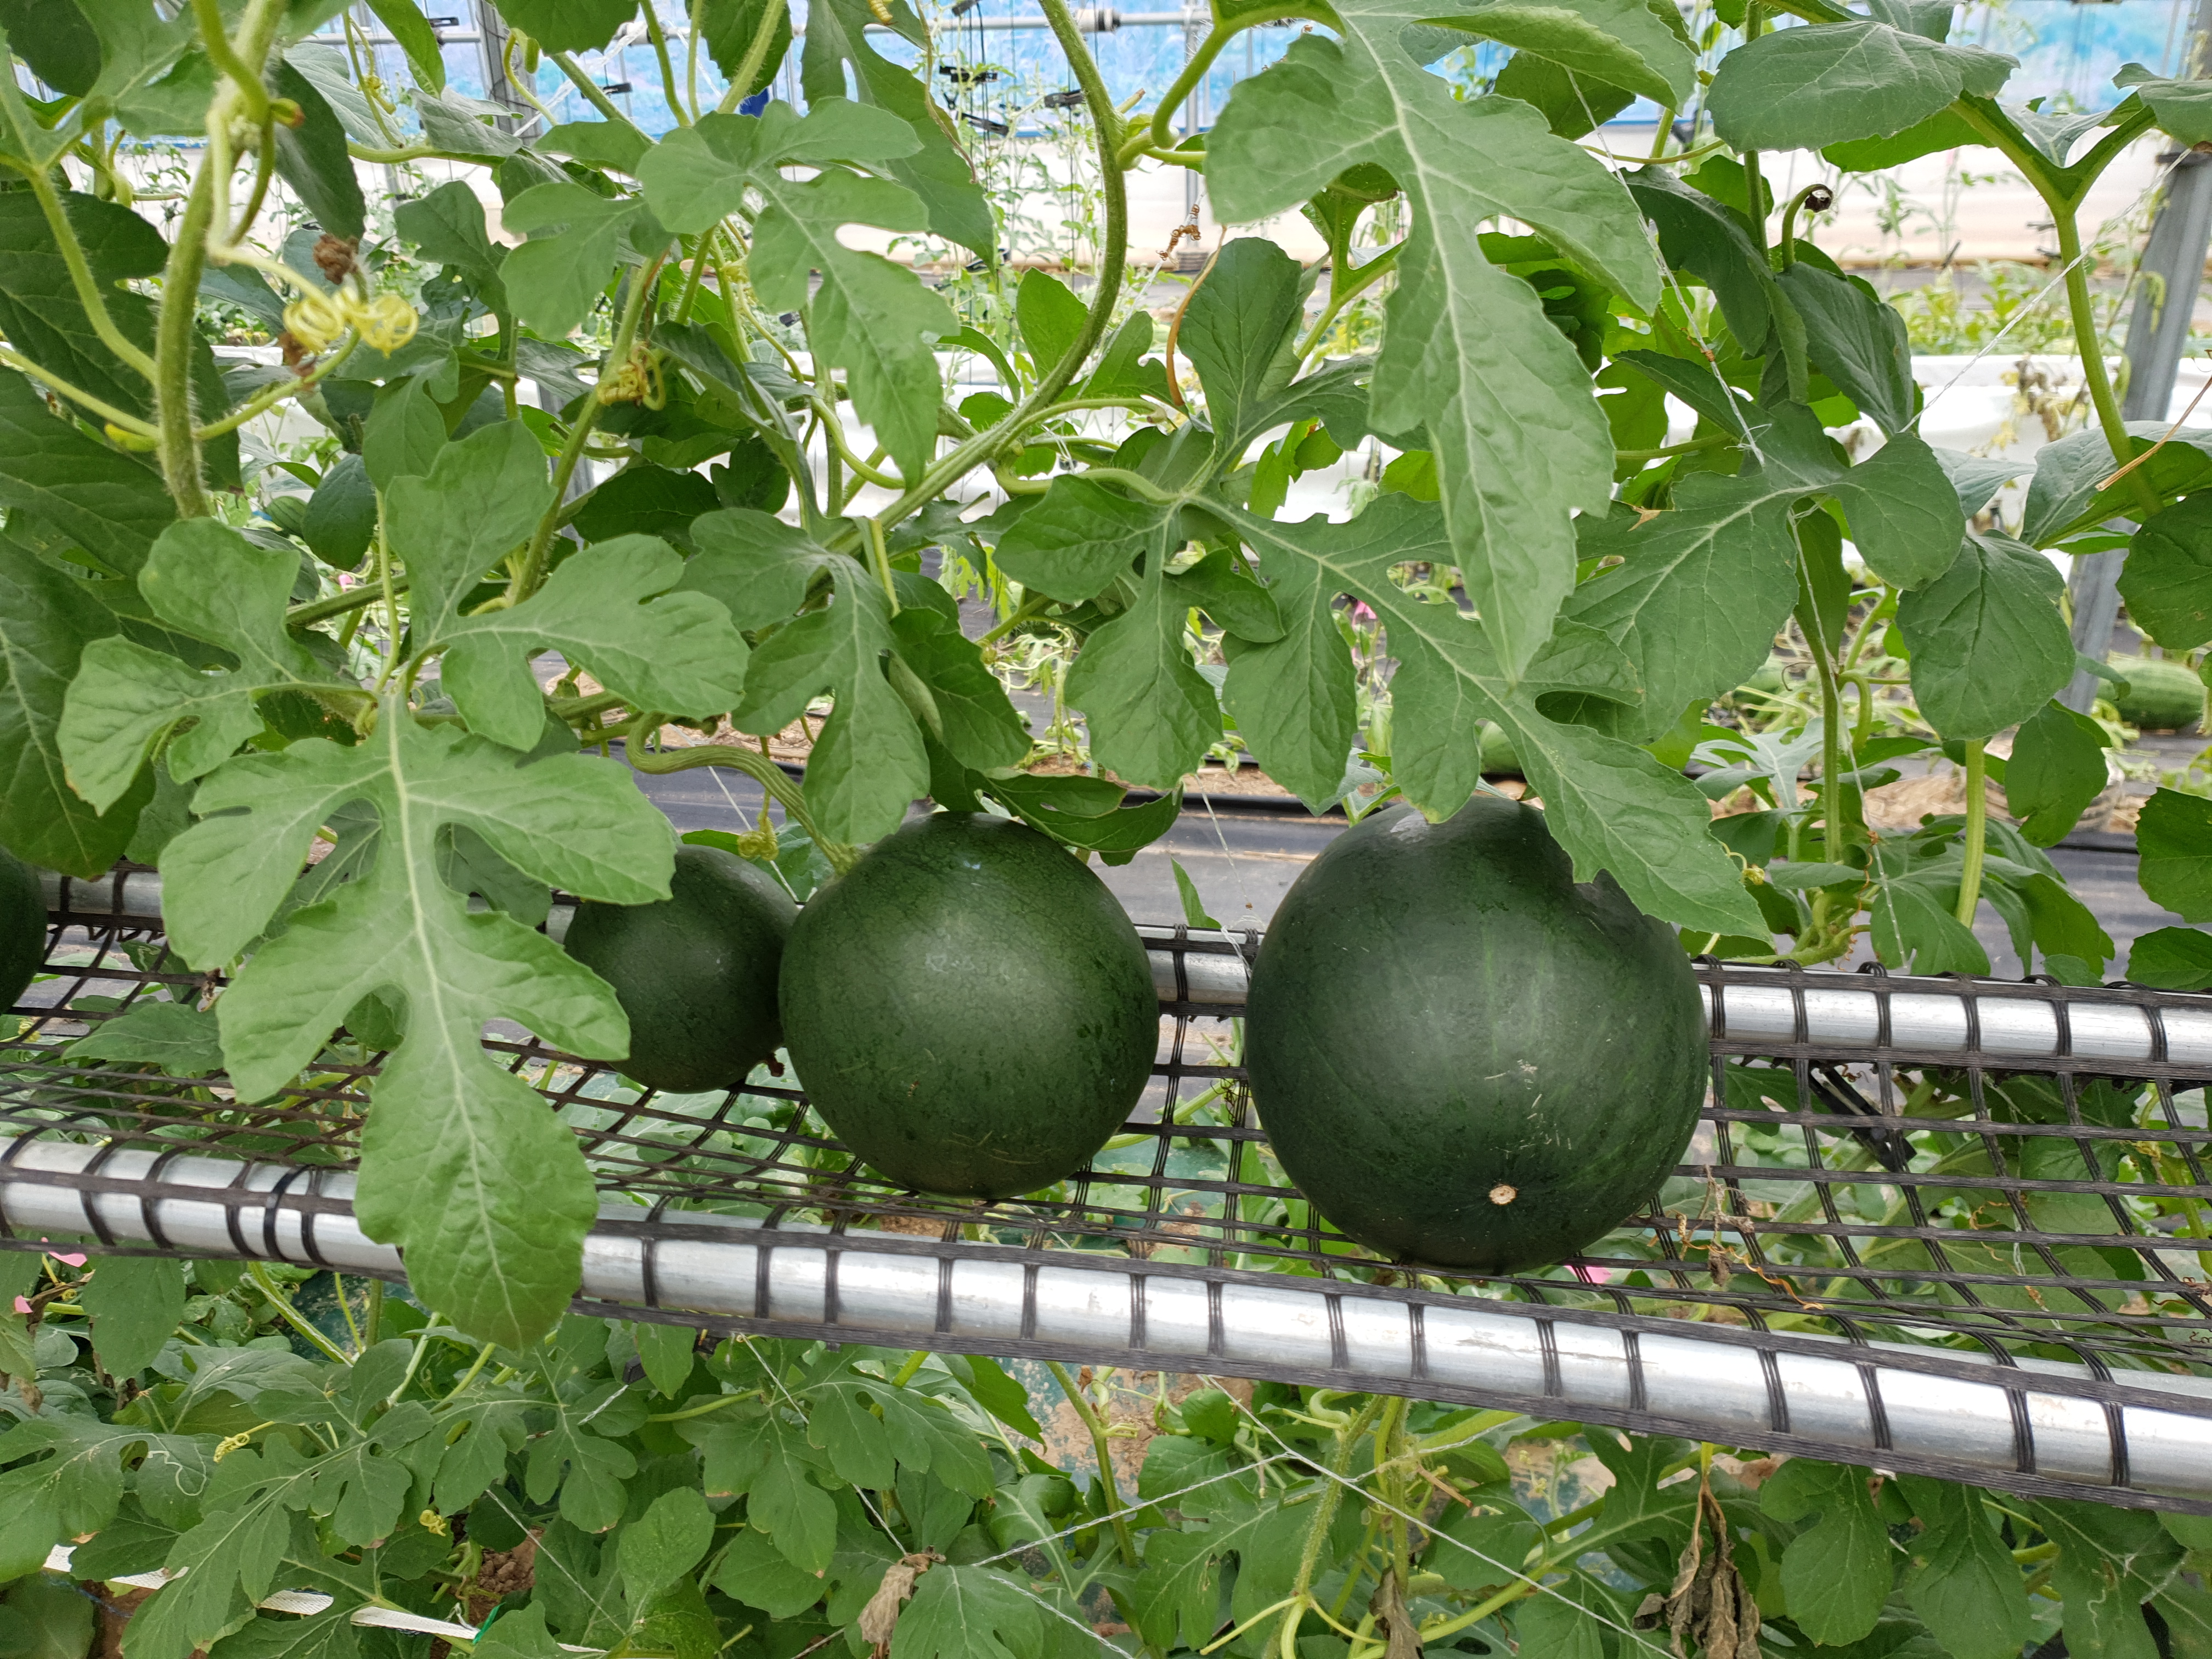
(1942, 1225)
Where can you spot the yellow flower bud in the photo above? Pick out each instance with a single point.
(434, 1522)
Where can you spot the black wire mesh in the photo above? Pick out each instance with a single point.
(1974, 1207)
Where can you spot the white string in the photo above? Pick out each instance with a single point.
(715, 772)
(2064, 271)
(1536, 1585)
(499, 1498)
(866, 1503)
(1133, 1508)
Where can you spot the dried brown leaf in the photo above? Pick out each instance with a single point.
(880, 1617)
(1709, 1603)
(1394, 1622)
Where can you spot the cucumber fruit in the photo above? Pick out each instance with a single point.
(2162, 695)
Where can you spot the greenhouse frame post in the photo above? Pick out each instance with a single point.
(2158, 334)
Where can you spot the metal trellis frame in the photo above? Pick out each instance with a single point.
(1952, 1226)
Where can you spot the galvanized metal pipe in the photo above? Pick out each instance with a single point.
(1925, 1016)
(1007, 1299)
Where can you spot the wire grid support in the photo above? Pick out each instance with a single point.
(1949, 1226)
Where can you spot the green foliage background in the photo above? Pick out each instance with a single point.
(189, 682)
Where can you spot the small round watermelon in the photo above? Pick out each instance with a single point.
(1463, 1056)
(968, 1008)
(694, 972)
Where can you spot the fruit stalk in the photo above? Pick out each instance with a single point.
(1101, 1448)
(1977, 817)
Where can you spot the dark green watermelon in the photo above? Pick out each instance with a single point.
(1465, 1057)
(23, 927)
(695, 973)
(968, 1008)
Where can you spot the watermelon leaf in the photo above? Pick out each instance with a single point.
(871, 319)
(867, 763)
(208, 582)
(1988, 647)
(1594, 788)
(1836, 1574)
(2056, 768)
(462, 1162)
(1078, 538)
(1468, 354)
(47, 622)
(1963, 1582)
(1152, 714)
(1830, 83)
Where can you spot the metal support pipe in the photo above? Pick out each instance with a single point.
(2032, 1424)
(2166, 283)
(1747, 1006)
(1089, 19)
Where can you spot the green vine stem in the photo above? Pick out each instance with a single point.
(588, 88)
(1114, 256)
(262, 402)
(1389, 1446)
(1325, 1508)
(1101, 1446)
(659, 42)
(1978, 816)
(292, 1317)
(177, 327)
(2094, 379)
(643, 284)
(354, 598)
(1690, 447)
(174, 331)
(1343, 291)
(1754, 25)
(879, 561)
(762, 770)
(54, 383)
(1158, 133)
(755, 55)
(264, 170)
(245, 75)
(1834, 822)
(81, 277)
(1815, 198)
